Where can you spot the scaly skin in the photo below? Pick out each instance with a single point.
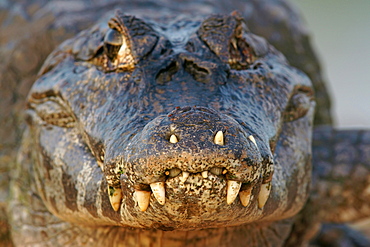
(337, 169)
(124, 236)
(341, 175)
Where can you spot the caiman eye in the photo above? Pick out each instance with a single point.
(299, 104)
(112, 43)
(125, 43)
(53, 113)
(229, 38)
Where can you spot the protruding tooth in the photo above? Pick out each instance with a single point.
(253, 140)
(245, 196)
(264, 194)
(173, 139)
(184, 176)
(115, 197)
(233, 42)
(143, 199)
(216, 170)
(159, 192)
(219, 138)
(233, 188)
(205, 174)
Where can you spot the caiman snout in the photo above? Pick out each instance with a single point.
(198, 153)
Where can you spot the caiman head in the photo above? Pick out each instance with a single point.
(183, 125)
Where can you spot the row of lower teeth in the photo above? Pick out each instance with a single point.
(159, 192)
(233, 187)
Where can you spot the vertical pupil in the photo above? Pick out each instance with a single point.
(112, 43)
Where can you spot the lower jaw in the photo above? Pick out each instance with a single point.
(253, 235)
(196, 203)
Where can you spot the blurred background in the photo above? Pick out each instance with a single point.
(340, 33)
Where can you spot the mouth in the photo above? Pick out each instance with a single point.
(192, 186)
(192, 166)
(212, 181)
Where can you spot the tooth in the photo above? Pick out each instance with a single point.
(205, 174)
(264, 194)
(143, 198)
(174, 172)
(216, 170)
(184, 176)
(173, 139)
(115, 197)
(159, 192)
(219, 138)
(245, 196)
(101, 165)
(233, 42)
(253, 140)
(233, 188)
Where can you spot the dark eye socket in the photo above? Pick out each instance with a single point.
(54, 113)
(299, 104)
(113, 41)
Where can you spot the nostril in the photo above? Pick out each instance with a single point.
(173, 139)
(219, 138)
(198, 71)
(165, 75)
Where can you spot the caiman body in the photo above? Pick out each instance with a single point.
(155, 128)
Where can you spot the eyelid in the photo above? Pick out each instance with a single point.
(299, 103)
